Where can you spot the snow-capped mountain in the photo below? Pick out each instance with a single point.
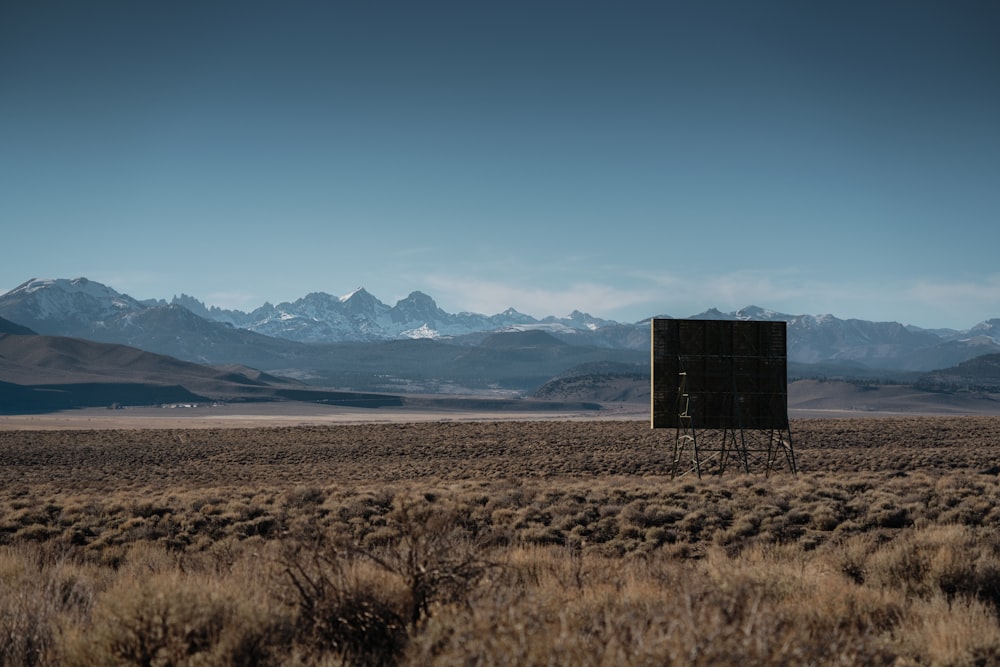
(989, 328)
(87, 309)
(888, 345)
(359, 316)
(71, 306)
(187, 328)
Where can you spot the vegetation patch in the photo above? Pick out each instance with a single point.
(496, 543)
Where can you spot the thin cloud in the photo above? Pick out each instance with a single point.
(414, 251)
(489, 297)
(965, 302)
(633, 295)
(791, 291)
(687, 294)
(941, 293)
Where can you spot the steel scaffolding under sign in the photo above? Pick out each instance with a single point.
(722, 385)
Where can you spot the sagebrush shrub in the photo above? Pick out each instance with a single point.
(170, 619)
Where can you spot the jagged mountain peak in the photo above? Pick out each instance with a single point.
(361, 303)
(714, 314)
(194, 305)
(586, 320)
(317, 298)
(418, 297)
(85, 308)
(358, 293)
(758, 313)
(419, 308)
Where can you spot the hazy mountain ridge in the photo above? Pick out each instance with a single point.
(320, 317)
(41, 373)
(817, 339)
(308, 336)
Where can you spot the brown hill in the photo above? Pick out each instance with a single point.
(980, 374)
(805, 397)
(38, 360)
(603, 388)
(43, 373)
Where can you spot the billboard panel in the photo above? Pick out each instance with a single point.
(725, 373)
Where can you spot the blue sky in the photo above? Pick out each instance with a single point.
(625, 159)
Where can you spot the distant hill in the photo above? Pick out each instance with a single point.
(980, 374)
(816, 398)
(47, 373)
(44, 373)
(528, 359)
(521, 340)
(606, 382)
(8, 327)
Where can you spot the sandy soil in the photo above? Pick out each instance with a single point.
(285, 414)
(813, 398)
(807, 399)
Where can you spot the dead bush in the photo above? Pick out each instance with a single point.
(344, 606)
(172, 619)
(40, 589)
(361, 600)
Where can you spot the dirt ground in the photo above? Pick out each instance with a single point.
(251, 415)
(456, 450)
(841, 402)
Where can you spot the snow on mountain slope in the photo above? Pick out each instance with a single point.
(989, 328)
(360, 316)
(80, 307)
(44, 304)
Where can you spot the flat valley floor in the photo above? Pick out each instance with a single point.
(217, 536)
(98, 448)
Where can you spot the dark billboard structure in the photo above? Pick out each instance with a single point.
(723, 386)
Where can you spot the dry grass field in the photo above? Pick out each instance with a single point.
(495, 543)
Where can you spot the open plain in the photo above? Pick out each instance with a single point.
(463, 539)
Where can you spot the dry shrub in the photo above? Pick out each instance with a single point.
(941, 632)
(955, 561)
(556, 607)
(652, 514)
(361, 600)
(345, 606)
(305, 496)
(27, 624)
(40, 590)
(825, 515)
(177, 619)
(497, 544)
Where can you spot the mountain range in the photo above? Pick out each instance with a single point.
(42, 373)
(357, 342)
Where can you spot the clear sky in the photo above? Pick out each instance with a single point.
(622, 158)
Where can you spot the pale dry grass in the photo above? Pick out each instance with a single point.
(496, 544)
(526, 603)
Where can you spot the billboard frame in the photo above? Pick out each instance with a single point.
(722, 385)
